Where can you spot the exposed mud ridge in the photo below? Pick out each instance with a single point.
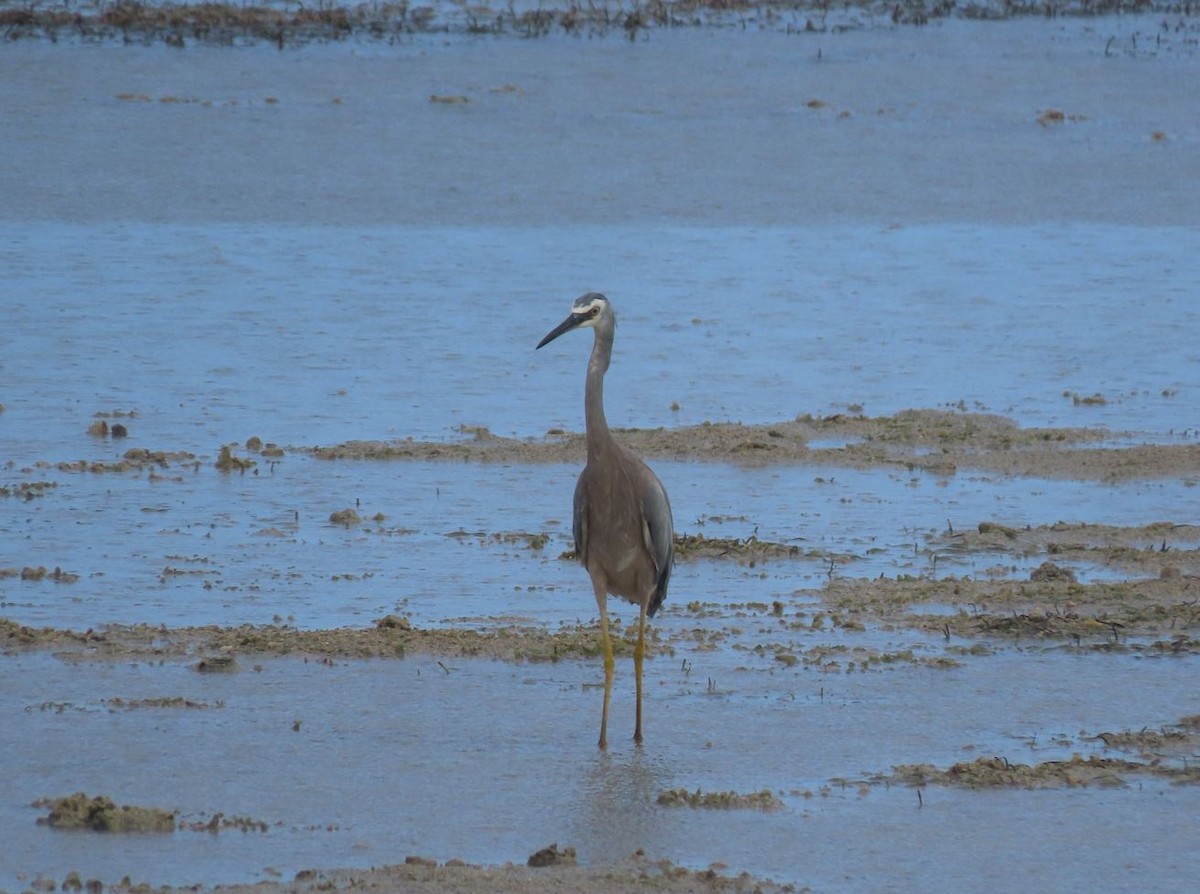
(935, 441)
(1163, 549)
(749, 549)
(745, 550)
(998, 772)
(1170, 742)
(390, 638)
(226, 23)
(1161, 615)
(418, 875)
(1167, 753)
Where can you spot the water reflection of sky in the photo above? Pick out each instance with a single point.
(316, 335)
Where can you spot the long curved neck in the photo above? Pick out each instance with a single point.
(598, 435)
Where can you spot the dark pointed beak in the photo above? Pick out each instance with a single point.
(565, 326)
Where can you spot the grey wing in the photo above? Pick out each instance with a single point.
(579, 519)
(659, 531)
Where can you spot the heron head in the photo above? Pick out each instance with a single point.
(588, 311)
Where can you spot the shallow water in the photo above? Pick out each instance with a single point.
(313, 335)
(390, 760)
(309, 272)
(215, 548)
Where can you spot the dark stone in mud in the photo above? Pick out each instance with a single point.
(393, 622)
(552, 856)
(100, 814)
(218, 664)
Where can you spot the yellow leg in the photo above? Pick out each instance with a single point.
(602, 603)
(639, 652)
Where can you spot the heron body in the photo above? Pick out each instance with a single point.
(624, 534)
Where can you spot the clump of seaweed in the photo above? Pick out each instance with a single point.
(227, 462)
(27, 490)
(39, 572)
(681, 797)
(101, 814)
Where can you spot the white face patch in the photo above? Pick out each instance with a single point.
(584, 306)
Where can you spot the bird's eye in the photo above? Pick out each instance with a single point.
(593, 312)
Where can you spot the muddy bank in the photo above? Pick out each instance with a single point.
(219, 23)
(638, 873)
(998, 772)
(935, 441)
(550, 869)
(1161, 614)
(938, 442)
(1153, 753)
(1158, 614)
(214, 648)
(1148, 598)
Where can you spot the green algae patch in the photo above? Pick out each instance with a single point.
(681, 797)
(101, 814)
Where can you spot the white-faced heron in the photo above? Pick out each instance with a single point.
(624, 535)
